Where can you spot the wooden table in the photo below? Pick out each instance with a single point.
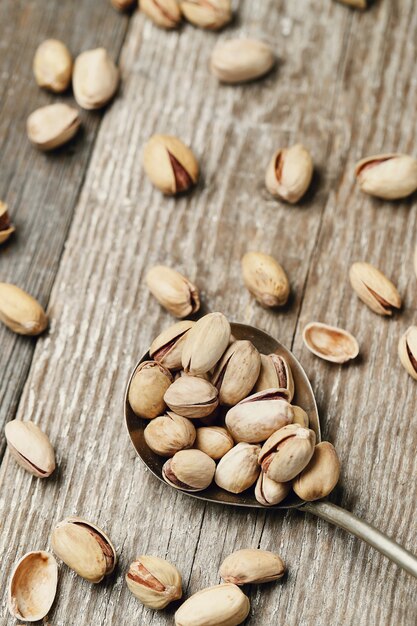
(89, 224)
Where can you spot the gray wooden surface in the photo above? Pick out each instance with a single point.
(345, 86)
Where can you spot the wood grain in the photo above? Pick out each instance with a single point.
(345, 87)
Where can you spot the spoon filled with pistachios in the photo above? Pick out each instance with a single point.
(226, 414)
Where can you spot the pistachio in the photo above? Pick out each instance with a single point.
(20, 312)
(147, 389)
(268, 492)
(407, 351)
(170, 433)
(84, 547)
(287, 452)
(191, 396)
(95, 79)
(205, 343)
(52, 65)
(215, 441)
(374, 288)
(275, 373)
(164, 13)
(356, 4)
(238, 469)
(168, 345)
(211, 14)
(154, 581)
(388, 176)
(252, 566)
(52, 125)
(30, 447)
(170, 164)
(241, 60)
(256, 417)
(265, 279)
(6, 227)
(237, 372)
(32, 586)
(289, 173)
(173, 291)
(189, 470)
(300, 416)
(123, 5)
(221, 605)
(330, 343)
(320, 476)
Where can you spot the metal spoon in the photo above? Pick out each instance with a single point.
(304, 397)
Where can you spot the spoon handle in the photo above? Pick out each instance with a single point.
(342, 518)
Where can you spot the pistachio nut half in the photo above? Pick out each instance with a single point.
(30, 447)
(330, 343)
(154, 581)
(289, 173)
(189, 470)
(238, 469)
(205, 343)
(169, 164)
(236, 372)
(300, 416)
(252, 566)
(388, 176)
(268, 492)
(173, 291)
(168, 434)
(6, 227)
(192, 397)
(241, 60)
(164, 13)
(265, 279)
(147, 388)
(210, 14)
(52, 65)
(221, 605)
(84, 547)
(214, 441)
(167, 347)
(275, 373)
(321, 474)
(20, 312)
(52, 125)
(287, 452)
(256, 417)
(32, 586)
(407, 351)
(95, 79)
(374, 288)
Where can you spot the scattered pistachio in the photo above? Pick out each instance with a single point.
(241, 60)
(289, 173)
(275, 373)
(239, 468)
(52, 65)
(32, 586)
(6, 227)
(287, 452)
(173, 291)
(192, 397)
(407, 351)
(265, 279)
(237, 372)
(164, 13)
(252, 566)
(388, 176)
(30, 447)
(215, 441)
(167, 347)
(374, 288)
(189, 470)
(52, 125)
(205, 343)
(154, 581)
(321, 474)
(170, 433)
(147, 389)
(211, 14)
(330, 343)
(95, 79)
(170, 164)
(20, 312)
(268, 492)
(221, 605)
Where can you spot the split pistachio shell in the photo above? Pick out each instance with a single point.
(205, 343)
(221, 605)
(170, 165)
(164, 13)
(252, 566)
(241, 60)
(275, 373)
(388, 176)
(238, 469)
(189, 470)
(256, 417)
(6, 227)
(192, 397)
(84, 547)
(300, 416)
(265, 279)
(154, 581)
(320, 476)
(330, 343)
(20, 312)
(52, 65)
(214, 441)
(268, 492)
(32, 586)
(287, 452)
(289, 173)
(167, 347)
(236, 372)
(374, 288)
(173, 291)
(30, 447)
(407, 351)
(147, 389)
(211, 14)
(95, 79)
(52, 125)
(168, 434)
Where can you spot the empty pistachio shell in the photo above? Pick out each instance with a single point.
(275, 373)
(211, 14)
(289, 173)
(164, 13)
(84, 547)
(168, 434)
(407, 351)
(205, 343)
(214, 441)
(268, 492)
(241, 60)
(154, 581)
(189, 470)
(320, 476)
(330, 343)
(374, 288)
(389, 176)
(30, 447)
(32, 586)
(300, 416)
(252, 566)
(6, 227)
(167, 347)
(20, 312)
(170, 164)
(192, 397)
(238, 469)
(265, 279)
(237, 372)
(221, 605)
(287, 452)
(52, 125)
(173, 291)
(147, 389)
(52, 65)
(95, 79)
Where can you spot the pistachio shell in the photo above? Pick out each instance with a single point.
(237, 372)
(320, 476)
(268, 492)
(173, 291)
(164, 13)
(167, 347)
(374, 288)
(32, 586)
(20, 312)
(95, 79)
(388, 176)
(289, 173)
(52, 65)
(210, 14)
(330, 343)
(252, 566)
(205, 343)
(265, 279)
(407, 351)
(287, 452)
(52, 125)
(214, 441)
(169, 164)
(147, 389)
(221, 605)
(168, 434)
(30, 447)
(154, 581)
(241, 60)
(275, 373)
(6, 227)
(192, 397)
(189, 470)
(238, 469)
